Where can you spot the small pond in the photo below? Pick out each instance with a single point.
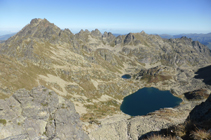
(126, 76)
(148, 100)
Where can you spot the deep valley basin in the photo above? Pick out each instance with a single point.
(147, 100)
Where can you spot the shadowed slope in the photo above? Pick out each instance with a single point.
(205, 74)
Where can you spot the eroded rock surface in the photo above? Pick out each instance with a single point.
(127, 127)
(39, 114)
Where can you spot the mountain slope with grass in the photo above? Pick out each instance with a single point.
(86, 67)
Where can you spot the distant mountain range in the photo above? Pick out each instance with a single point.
(5, 37)
(202, 38)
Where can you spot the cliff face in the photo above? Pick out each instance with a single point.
(39, 114)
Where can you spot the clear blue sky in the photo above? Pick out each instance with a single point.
(117, 16)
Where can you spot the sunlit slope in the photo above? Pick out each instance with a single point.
(87, 67)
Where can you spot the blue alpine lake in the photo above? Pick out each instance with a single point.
(148, 100)
(126, 76)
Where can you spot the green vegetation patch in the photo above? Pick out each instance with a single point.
(3, 121)
(156, 78)
(100, 110)
(44, 104)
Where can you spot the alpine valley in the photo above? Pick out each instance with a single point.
(58, 85)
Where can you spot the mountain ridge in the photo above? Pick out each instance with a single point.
(202, 38)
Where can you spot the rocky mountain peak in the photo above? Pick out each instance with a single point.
(41, 22)
(108, 37)
(143, 33)
(82, 32)
(106, 34)
(129, 38)
(96, 33)
(87, 31)
(39, 28)
(186, 38)
(68, 31)
(25, 44)
(35, 21)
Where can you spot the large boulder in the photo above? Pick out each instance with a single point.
(39, 114)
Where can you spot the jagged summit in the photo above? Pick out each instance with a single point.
(96, 33)
(39, 28)
(38, 20)
(35, 20)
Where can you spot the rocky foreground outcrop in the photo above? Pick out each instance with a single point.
(132, 128)
(42, 114)
(39, 114)
(197, 126)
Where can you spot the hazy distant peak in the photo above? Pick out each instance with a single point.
(81, 31)
(142, 32)
(86, 31)
(109, 33)
(96, 30)
(184, 37)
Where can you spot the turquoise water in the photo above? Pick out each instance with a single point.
(147, 100)
(126, 76)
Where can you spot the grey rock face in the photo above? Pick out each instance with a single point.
(133, 128)
(129, 38)
(202, 112)
(39, 114)
(108, 37)
(118, 40)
